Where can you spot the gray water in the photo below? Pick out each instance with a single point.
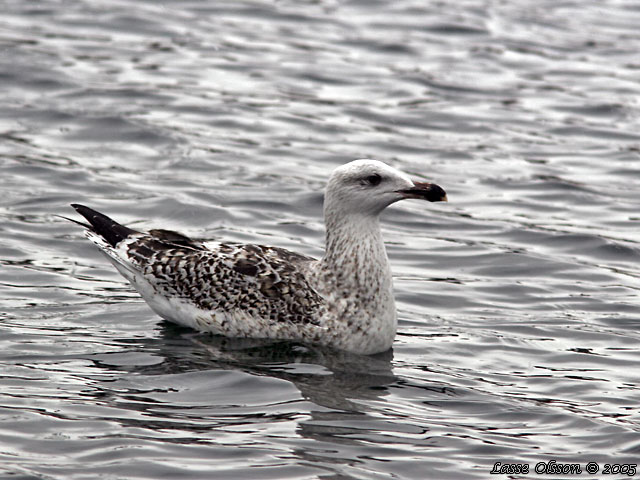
(518, 300)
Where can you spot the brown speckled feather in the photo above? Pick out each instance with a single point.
(262, 281)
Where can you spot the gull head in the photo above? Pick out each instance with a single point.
(367, 187)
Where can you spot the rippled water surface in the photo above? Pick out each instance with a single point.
(518, 300)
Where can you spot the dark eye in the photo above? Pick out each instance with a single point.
(373, 180)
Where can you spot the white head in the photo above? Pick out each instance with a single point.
(367, 187)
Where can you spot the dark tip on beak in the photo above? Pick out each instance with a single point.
(425, 191)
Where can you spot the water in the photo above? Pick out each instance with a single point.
(518, 300)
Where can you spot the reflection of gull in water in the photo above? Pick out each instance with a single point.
(328, 378)
(343, 300)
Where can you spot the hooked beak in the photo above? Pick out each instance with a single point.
(425, 191)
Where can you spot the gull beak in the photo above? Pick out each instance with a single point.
(425, 191)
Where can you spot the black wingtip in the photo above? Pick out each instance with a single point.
(104, 226)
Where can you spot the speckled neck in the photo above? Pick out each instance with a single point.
(356, 281)
(353, 240)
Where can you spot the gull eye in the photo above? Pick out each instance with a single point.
(373, 180)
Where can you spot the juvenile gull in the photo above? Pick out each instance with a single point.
(344, 300)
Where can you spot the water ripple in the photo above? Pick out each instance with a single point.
(517, 300)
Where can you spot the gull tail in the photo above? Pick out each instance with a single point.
(108, 229)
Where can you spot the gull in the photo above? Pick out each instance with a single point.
(343, 300)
